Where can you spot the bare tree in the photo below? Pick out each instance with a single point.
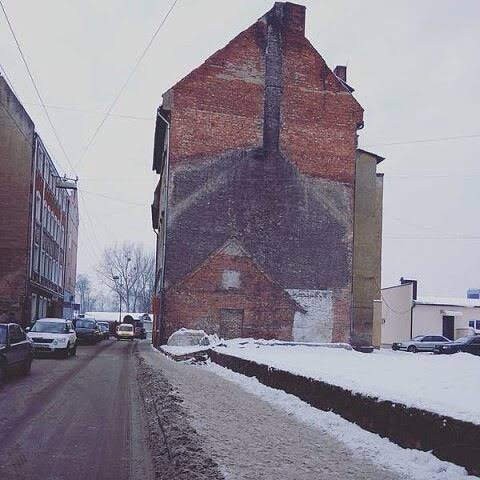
(127, 270)
(83, 287)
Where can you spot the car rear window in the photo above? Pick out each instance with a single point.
(85, 324)
(125, 328)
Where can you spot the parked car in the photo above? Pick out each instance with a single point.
(421, 343)
(53, 335)
(125, 331)
(87, 330)
(470, 344)
(16, 351)
(104, 330)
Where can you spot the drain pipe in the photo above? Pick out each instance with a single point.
(165, 222)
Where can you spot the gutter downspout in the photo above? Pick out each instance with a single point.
(165, 223)
(28, 308)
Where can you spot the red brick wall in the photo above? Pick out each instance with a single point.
(16, 140)
(196, 302)
(219, 106)
(319, 117)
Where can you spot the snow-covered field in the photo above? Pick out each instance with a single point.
(444, 384)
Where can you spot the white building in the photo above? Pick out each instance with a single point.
(404, 317)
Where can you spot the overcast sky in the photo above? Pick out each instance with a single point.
(414, 66)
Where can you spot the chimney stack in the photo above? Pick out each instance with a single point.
(341, 72)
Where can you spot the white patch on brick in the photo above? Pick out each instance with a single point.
(230, 279)
(316, 324)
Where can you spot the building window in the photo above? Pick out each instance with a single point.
(35, 257)
(42, 263)
(38, 206)
(230, 279)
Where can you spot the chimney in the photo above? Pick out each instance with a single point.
(294, 18)
(341, 72)
(290, 16)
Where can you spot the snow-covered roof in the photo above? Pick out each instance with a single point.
(449, 301)
(113, 316)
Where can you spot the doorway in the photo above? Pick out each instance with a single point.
(231, 323)
(449, 327)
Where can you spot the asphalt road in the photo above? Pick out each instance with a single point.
(79, 418)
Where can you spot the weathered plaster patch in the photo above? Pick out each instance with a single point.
(316, 324)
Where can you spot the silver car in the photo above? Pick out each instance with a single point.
(421, 343)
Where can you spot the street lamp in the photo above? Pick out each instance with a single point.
(115, 279)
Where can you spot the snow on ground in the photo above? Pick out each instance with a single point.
(408, 463)
(444, 384)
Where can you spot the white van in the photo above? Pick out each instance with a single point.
(125, 331)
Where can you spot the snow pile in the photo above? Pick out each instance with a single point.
(185, 341)
(408, 463)
(186, 338)
(444, 384)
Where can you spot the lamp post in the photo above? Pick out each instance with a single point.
(115, 278)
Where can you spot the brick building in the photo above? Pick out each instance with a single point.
(35, 219)
(254, 208)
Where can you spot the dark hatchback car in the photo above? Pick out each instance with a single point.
(16, 351)
(88, 331)
(104, 330)
(470, 344)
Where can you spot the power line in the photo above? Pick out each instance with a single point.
(127, 81)
(424, 140)
(432, 237)
(114, 199)
(91, 112)
(19, 48)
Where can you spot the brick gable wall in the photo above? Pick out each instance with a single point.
(263, 139)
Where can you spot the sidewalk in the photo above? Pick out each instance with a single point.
(251, 440)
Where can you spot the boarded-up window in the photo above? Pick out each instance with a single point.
(231, 323)
(230, 279)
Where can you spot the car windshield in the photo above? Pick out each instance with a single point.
(85, 324)
(49, 327)
(125, 328)
(3, 334)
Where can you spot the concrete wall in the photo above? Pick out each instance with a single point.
(16, 144)
(263, 139)
(428, 319)
(396, 307)
(367, 256)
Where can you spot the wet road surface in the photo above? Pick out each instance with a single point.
(79, 418)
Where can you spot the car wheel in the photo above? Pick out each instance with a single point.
(27, 366)
(412, 349)
(74, 350)
(65, 353)
(3, 374)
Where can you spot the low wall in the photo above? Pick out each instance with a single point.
(449, 439)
